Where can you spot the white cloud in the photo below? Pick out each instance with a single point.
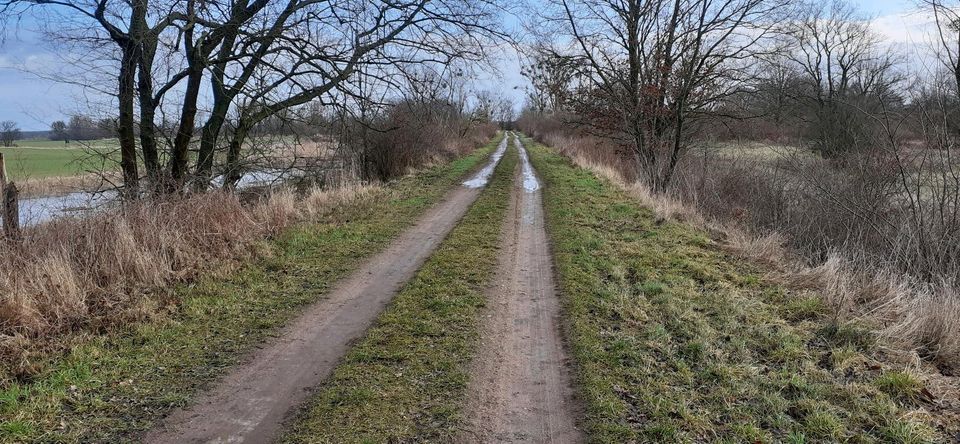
(909, 27)
(39, 62)
(30, 63)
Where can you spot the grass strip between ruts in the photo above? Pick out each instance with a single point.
(406, 379)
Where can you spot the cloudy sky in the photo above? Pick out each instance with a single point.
(34, 102)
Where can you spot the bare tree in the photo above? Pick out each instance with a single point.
(773, 99)
(124, 25)
(649, 69)
(9, 132)
(946, 49)
(261, 58)
(81, 127)
(946, 15)
(374, 44)
(845, 70)
(550, 75)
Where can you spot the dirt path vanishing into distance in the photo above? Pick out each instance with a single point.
(521, 386)
(252, 401)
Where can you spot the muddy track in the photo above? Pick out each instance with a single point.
(252, 401)
(521, 390)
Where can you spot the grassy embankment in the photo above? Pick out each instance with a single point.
(120, 383)
(406, 379)
(676, 341)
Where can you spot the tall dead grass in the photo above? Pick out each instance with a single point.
(54, 186)
(913, 316)
(90, 274)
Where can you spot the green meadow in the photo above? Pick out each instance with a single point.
(31, 159)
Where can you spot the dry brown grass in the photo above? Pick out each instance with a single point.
(915, 320)
(286, 150)
(319, 203)
(54, 186)
(89, 274)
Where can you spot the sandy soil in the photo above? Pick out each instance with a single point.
(521, 389)
(250, 403)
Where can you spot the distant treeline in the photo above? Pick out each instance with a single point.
(81, 127)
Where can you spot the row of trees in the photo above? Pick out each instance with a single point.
(81, 127)
(831, 78)
(215, 71)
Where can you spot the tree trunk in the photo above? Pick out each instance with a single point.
(125, 122)
(208, 140)
(148, 112)
(644, 155)
(222, 98)
(181, 143)
(667, 176)
(233, 173)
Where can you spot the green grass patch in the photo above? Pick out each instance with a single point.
(899, 385)
(32, 159)
(676, 341)
(59, 144)
(405, 381)
(113, 386)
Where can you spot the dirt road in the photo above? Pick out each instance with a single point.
(250, 404)
(521, 390)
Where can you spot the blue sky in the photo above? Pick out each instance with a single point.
(884, 7)
(24, 98)
(34, 102)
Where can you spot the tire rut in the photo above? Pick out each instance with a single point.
(251, 402)
(520, 390)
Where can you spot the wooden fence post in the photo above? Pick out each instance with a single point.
(9, 204)
(3, 174)
(11, 211)
(3, 185)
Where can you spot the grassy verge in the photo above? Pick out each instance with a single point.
(120, 383)
(405, 381)
(675, 341)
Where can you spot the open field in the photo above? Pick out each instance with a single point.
(73, 144)
(37, 159)
(46, 167)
